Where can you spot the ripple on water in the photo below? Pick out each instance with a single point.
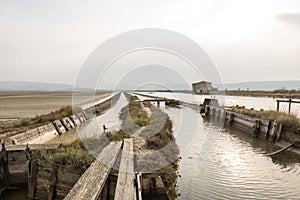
(235, 168)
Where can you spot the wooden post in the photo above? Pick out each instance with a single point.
(207, 111)
(290, 103)
(28, 152)
(231, 116)
(273, 131)
(4, 176)
(139, 186)
(53, 180)
(32, 178)
(278, 132)
(256, 128)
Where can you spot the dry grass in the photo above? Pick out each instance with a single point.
(290, 122)
(74, 154)
(275, 94)
(30, 123)
(134, 116)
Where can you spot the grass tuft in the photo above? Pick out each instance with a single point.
(290, 122)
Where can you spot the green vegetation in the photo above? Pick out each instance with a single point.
(159, 140)
(290, 122)
(104, 106)
(134, 116)
(163, 125)
(118, 136)
(74, 154)
(58, 114)
(40, 120)
(280, 93)
(169, 178)
(138, 114)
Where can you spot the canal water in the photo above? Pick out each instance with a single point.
(215, 164)
(266, 103)
(219, 164)
(229, 164)
(94, 128)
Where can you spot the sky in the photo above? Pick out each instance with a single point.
(247, 40)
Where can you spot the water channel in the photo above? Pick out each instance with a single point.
(216, 163)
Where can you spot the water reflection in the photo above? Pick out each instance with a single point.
(236, 167)
(266, 103)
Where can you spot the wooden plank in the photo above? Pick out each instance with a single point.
(4, 169)
(53, 180)
(139, 186)
(32, 179)
(125, 185)
(90, 184)
(32, 146)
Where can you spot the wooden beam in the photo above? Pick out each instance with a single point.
(139, 186)
(91, 183)
(287, 101)
(32, 178)
(4, 175)
(125, 188)
(53, 181)
(32, 146)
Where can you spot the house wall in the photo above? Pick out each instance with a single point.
(202, 88)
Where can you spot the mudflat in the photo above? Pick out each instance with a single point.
(15, 104)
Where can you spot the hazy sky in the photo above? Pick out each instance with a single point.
(48, 41)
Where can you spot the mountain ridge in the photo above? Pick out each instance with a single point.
(251, 85)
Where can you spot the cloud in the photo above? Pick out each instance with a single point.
(291, 18)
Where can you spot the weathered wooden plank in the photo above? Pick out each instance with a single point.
(90, 184)
(139, 186)
(32, 178)
(4, 169)
(125, 186)
(33, 146)
(53, 180)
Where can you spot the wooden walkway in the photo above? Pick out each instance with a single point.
(91, 183)
(125, 188)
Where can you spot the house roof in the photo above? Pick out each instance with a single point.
(206, 82)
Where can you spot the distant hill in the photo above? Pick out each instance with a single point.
(33, 86)
(252, 85)
(262, 85)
